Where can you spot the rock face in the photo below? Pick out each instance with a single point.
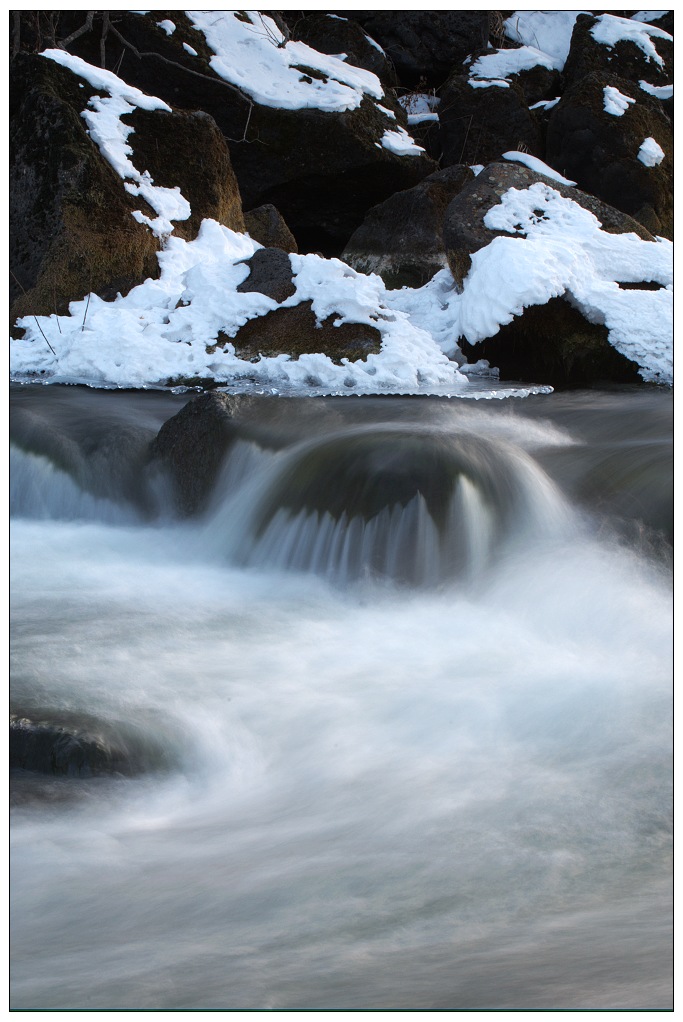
(464, 230)
(626, 58)
(401, 239)
(329, 33)
(601, 150)
(270, 273)
(295, 330)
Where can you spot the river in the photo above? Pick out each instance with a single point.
(400, 697)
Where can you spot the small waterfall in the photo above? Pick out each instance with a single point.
(417, 505)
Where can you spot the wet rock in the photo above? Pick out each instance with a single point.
(401, 239)
(266, 225)
(600, 151)
(70, 744)
(481, 122)
(191, 446)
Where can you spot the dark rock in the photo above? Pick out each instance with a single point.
(599, 150)
(71, 228)
(479, 124)
(401, 239)
(554, 344)
(537, 83)
(464, 230)
(266, 225)
(191, 446)
(425, 46)
(77, 745)
(295, 330)
(270, 273)
(626, 59)
(328, 33)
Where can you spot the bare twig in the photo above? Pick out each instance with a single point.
(103, 37)
(63, 43)
(462, 151)
(87, 306)
(35, 317)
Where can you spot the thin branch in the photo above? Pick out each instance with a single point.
(35, 317)
(105, 29)
(63, 43)
(173, 63)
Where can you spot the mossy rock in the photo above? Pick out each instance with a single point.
(295, 330)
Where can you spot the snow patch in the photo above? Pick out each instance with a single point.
(190, 49)
(503, 63)
(615, 102)
(485, 84)
(549, 31)
(533, 163)
(648, 16)
(659, 91)
(545, 104)
(168, 26)
(610, 30)
(400, 143)
(254, 56)
(651, 153)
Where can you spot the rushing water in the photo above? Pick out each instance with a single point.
(401, 695)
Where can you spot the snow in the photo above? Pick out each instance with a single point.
(422, 118)
(253, 56)
(659, 91)
(549, 31)
(615, 102)
(168, 26)
(163, 328)
(648, 16)
(477, 83)
(387, 111)
(190, 49)
(400, 143)
(610, 30)
(651, 153)
(533, 163)
(503, 63)
(419, 102)
(545, 104)
(103, 118)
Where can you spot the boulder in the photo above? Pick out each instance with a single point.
(190, 446)
(601, 151)
(480, 122)
(401, 239)
(266, 225)
(72, 229)
(538, 82)
(295, 330)
(425, 46)
(626, 58)
(464, 231)
(71, 224)
(322, 169)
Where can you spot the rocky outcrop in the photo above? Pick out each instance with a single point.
(601, 151)
(401, 239)
(465, 232)
(330, 33)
